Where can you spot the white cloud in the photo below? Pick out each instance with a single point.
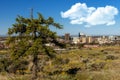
(80, 14)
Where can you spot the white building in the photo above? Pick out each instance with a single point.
(75, 40)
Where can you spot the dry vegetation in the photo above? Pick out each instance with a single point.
(101, 63)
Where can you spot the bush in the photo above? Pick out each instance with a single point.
(97, 66)
(73, 70)
(85, 60)
(18, 67)
(111, 57)
(4, 63)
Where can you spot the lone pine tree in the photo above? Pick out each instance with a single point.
(28, 36)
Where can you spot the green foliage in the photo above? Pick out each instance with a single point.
(4, 63)
(29, 37)
(18, 67)
(32, 35)
(101, 63)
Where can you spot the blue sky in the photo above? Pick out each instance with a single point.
(92, 17)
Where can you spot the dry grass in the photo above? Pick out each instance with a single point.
(3, 77)
(82, 59)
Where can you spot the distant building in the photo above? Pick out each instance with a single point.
(82, 39)
(115, 39)
(67, 37)
(89, 39)
(81, 34)
(75, 40)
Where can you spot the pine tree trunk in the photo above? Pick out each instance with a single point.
(35, 60)
(35, 67)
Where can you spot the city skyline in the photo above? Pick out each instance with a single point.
(90, 17)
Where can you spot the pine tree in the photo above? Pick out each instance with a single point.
(28, 36)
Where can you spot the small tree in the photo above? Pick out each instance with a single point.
(28, 36)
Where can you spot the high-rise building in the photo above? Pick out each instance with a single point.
(67, 37)
(89, 39)
(81, 35)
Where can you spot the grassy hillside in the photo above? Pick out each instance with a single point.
(102, 63)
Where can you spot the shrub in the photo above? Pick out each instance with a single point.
(85, 60)
(18, 67)
(111, 57)
(4, 63)
(73, 70)
(97, 66)
(105, 52)
(102, 51)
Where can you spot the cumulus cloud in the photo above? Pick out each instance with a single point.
(80, 13)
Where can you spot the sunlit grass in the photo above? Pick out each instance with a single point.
(102, 63)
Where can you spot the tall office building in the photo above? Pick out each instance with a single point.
(81, 35)
(67, 37)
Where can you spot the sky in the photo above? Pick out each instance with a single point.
(91, 17)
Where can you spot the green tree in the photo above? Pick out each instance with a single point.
(28, 36)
